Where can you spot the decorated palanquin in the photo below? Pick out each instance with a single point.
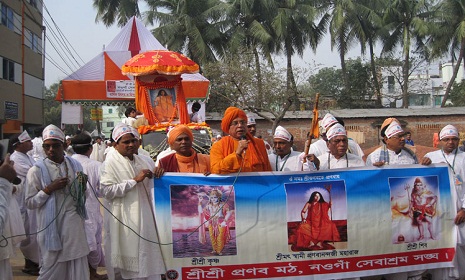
(158, 91)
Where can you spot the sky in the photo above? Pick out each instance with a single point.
(76, 20)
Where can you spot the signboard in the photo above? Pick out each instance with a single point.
(321, 225)
(120, 89)
(96, 114)
(11, 110)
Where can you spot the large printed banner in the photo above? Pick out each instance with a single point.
(321, 225)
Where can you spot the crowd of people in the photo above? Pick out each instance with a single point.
(59, 186)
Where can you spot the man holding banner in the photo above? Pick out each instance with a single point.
(450, 154)
(284, 159)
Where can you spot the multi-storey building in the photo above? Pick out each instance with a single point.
(21, 65)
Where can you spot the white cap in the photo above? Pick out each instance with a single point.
(250, 120)
(328, 120)
(53, 132)
(448, 131)
(282, 133)
(336, 130)
(23, 137)
(120, 130)
(393, 129)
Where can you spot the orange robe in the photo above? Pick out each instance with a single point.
(224, 159)
(196, 163)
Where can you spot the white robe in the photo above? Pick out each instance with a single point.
(68, 262)
(292, 162)
(93, 225)
(457, 166)
(149, 258)
(5, 252)
(37, 151)
(351, 161)
(29, 246)
(98, 151)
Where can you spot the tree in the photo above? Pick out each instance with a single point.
(109, 11)
(191, 27)
(234, 82)
(457, 94)
(449, 37)
(407, 21)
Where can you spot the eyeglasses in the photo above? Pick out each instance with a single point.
(54, 146)
(236, 123)
(398, 137)
(127, 142)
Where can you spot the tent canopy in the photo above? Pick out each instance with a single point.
(89, 84)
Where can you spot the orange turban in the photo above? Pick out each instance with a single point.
(229, 115)
(178, 130)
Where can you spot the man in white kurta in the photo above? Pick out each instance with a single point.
(393, 152)
(22, 163)
(82, 146)
(52, 188)
(127, 180)
(37, 151)
(455, 159)
(284, 158)
(7, 174)
(337, 155)
(98, 150)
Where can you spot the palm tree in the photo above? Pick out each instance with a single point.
(449, 37)
(108, 11)
(296, 26)
(191, 27)
(407, 21)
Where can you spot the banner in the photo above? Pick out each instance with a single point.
(321, 225)
(120, 89)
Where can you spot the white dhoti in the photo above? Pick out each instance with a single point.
(77, 269)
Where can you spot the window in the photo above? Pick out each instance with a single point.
(33, 41)
(391, 84)
(110, 111)
(7, 17)
(8, 70)
(110, 124)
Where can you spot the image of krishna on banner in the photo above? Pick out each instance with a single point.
(203, 221)
(414, 201)
(316, 215)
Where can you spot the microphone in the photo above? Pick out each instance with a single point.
(243, 137)
(16, 181)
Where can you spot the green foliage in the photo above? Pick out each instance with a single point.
(457, 94)
(328, 82)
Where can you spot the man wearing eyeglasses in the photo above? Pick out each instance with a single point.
(337, 155)
(455, 159)
(393, 150)
(126, 183)
(240, 150)
(53, 191)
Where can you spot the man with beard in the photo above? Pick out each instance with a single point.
(455, 159)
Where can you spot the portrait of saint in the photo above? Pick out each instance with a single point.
(316, 216)
(163, 104)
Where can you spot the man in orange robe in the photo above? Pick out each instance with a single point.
(185, 159)
(240, 150)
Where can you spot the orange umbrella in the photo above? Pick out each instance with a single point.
(159, 62)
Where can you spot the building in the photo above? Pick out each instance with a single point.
(22, 66)
(111, 117)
